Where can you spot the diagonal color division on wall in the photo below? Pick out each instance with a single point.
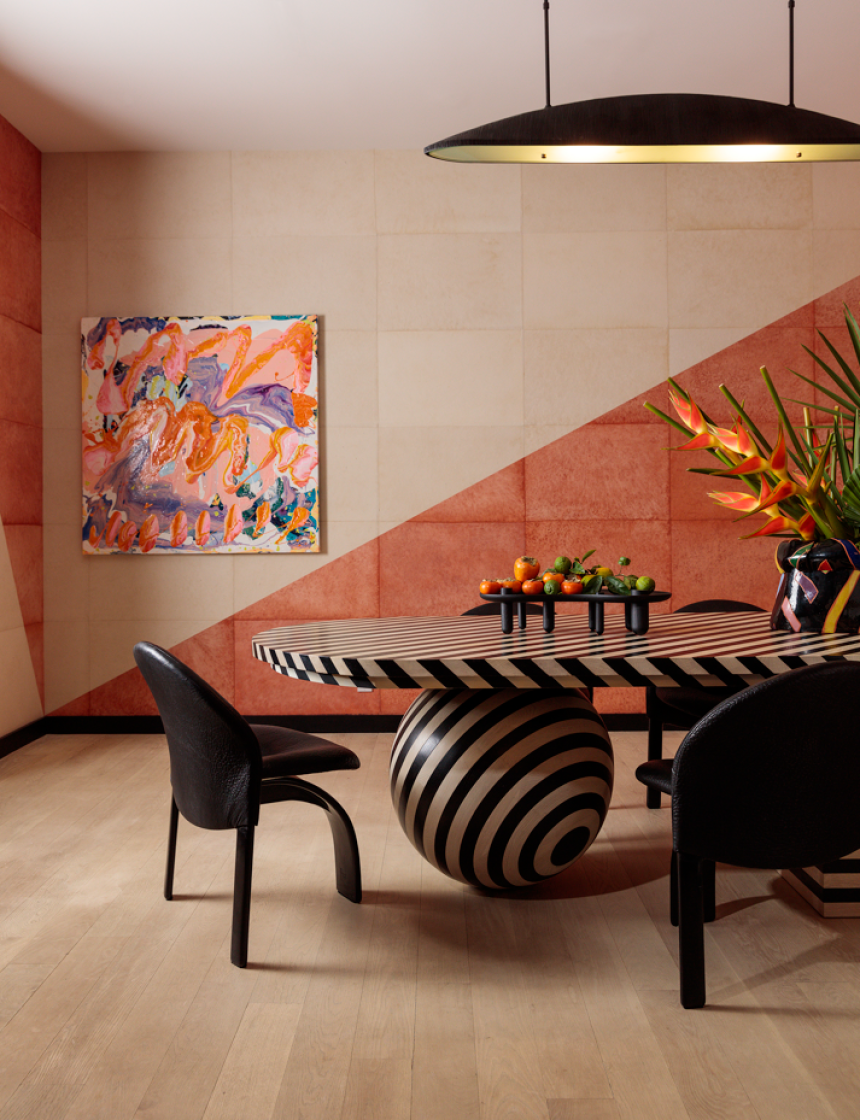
(612, 484)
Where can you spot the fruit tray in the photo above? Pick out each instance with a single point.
(635, 608)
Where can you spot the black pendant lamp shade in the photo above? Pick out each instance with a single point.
(658, 128)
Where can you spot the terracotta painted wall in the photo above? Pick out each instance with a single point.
(21, 629)
(485, 335)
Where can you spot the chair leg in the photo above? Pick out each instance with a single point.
(242, 895)
(709, 901)
(691, 931)
(347, 862)
(171, 850)
(655, 742)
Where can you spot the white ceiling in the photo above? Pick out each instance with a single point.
(297, 74)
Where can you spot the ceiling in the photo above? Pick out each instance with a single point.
(185, 75)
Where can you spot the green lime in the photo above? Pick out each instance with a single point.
(624, 561)
(552, 586)
(645, 583)
(562, 564)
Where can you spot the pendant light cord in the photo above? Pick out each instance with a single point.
(546, 46)
(791, 54)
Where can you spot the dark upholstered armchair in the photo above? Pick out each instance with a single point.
(222, 769)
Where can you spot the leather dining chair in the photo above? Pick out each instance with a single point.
(769, 778)
(682, 707)
(222, 769)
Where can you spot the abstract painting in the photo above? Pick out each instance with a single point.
(200, 434)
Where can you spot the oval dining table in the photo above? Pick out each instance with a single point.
(501, 770)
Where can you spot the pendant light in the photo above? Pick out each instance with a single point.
(658, 128)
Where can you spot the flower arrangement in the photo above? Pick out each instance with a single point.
(807, 484)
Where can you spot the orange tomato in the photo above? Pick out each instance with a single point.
(512, 584)
(532, 587)
(525, 568)
(571, 587)
(490, 587)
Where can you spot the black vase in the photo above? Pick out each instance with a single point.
(819, 589)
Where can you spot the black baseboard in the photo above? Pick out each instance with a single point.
(319, 724)
(22, 736)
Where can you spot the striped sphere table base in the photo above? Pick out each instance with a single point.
(502, 788)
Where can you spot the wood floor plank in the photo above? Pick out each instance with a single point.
(429, 1001)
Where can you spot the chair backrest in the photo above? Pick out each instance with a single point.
(727, 606)
(770, 777)
(215, 760)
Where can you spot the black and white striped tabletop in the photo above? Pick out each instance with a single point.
(472, 652)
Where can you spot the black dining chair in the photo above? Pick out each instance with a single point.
(769, 778)
(222, 769)
(681, 707)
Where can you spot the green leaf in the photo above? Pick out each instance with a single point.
(617, 585)
(841, 449)
(853, 395)
(591, 584)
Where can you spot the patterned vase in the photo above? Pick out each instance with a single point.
(818, 590)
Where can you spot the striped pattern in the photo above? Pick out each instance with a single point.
(504, 788)
(471, 652)
(832, 889)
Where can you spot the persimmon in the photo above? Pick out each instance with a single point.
(571, 587)
(512, 584)
(525, 567)
(490, 587)
(533, 586)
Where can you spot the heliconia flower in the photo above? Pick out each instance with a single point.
(745, 503)
(201, 529)
(178, 529)
(688, 412)
(148, 533)
(736, 439)
(703, 439)
(113, 527)
(233, 524)
(779, 523)
(126, 536)
(264, 512)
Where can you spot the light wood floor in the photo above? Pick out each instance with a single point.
(430, 1001)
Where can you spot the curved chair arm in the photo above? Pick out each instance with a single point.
(347, 862)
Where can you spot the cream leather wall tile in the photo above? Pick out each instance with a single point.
(738, 278)
(836, 254)
(67, 671)
(255, 577)
(419, 467)
(449, 282)
(158, 195)
(67, 574)
(111, 642)
(835, 194)
(537, 436)
(689, 346)
(739, 196)
(64, 285)
(185, 588)
(333, 277)
(450, 378)
(594, 280)
(349, 474)
(64, 196)
(348, 378)
(571, 377)
(568, 198)
(61, 379)
(304, 193)
(62, 481)
(21, 702)
(160, 277)
(417, 194)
